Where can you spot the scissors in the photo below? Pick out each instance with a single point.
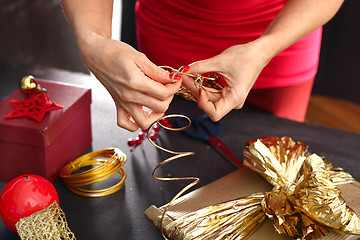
(202, 128)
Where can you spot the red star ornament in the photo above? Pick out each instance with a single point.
(34, 108)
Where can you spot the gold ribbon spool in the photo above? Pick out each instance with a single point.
(107, 163)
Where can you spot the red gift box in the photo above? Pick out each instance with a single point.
(30, 147)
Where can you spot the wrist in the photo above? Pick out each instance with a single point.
(89, 45)
(268, 47)
(86, 40)
(262, 50)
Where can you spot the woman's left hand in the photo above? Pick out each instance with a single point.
(240, 65)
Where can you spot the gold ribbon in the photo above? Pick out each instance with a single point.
(210, 82)
(177, 155)
(105, 163)
(304, 203)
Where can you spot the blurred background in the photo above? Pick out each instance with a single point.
(37, 33)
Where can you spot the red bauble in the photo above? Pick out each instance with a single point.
(153, 136)
(131, 142)
(23, 196)
(156, 127)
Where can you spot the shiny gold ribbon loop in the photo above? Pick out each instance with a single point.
(169, 128)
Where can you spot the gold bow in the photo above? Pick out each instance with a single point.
(304, 202)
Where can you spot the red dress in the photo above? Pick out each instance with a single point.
(179, 32)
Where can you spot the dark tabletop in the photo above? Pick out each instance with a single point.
(121, 215)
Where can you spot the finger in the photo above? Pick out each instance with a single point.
(154, 72)
(239, 106)
(139, 98)
(160, 75)
(207, 65)
(188, 82)
(142, 117)
(124, 120)
(173, 88)
(162, 94)
(155, 89)
(215, 110)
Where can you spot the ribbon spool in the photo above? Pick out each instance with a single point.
(106, 162)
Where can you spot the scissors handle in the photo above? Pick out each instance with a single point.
(224, 150)
(199, 133)
(201, 127)
(212, 128)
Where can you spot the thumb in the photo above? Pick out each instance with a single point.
(204, 66)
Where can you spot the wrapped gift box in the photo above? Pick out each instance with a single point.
(43, 148)
(238, 184)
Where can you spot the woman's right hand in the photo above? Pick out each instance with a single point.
(132, 80)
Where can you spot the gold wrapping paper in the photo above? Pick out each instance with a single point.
(304, 202)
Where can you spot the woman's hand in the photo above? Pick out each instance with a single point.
(132, 80)
(240, 65)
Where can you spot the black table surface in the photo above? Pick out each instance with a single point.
(121, 215)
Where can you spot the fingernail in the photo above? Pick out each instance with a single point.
(176, 77)
(186, 68)
(199, 92)
(223, 82)
(194, 96)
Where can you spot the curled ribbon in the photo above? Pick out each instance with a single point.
(177, 155)
(304, 203)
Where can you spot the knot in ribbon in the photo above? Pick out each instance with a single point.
(211, 82)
